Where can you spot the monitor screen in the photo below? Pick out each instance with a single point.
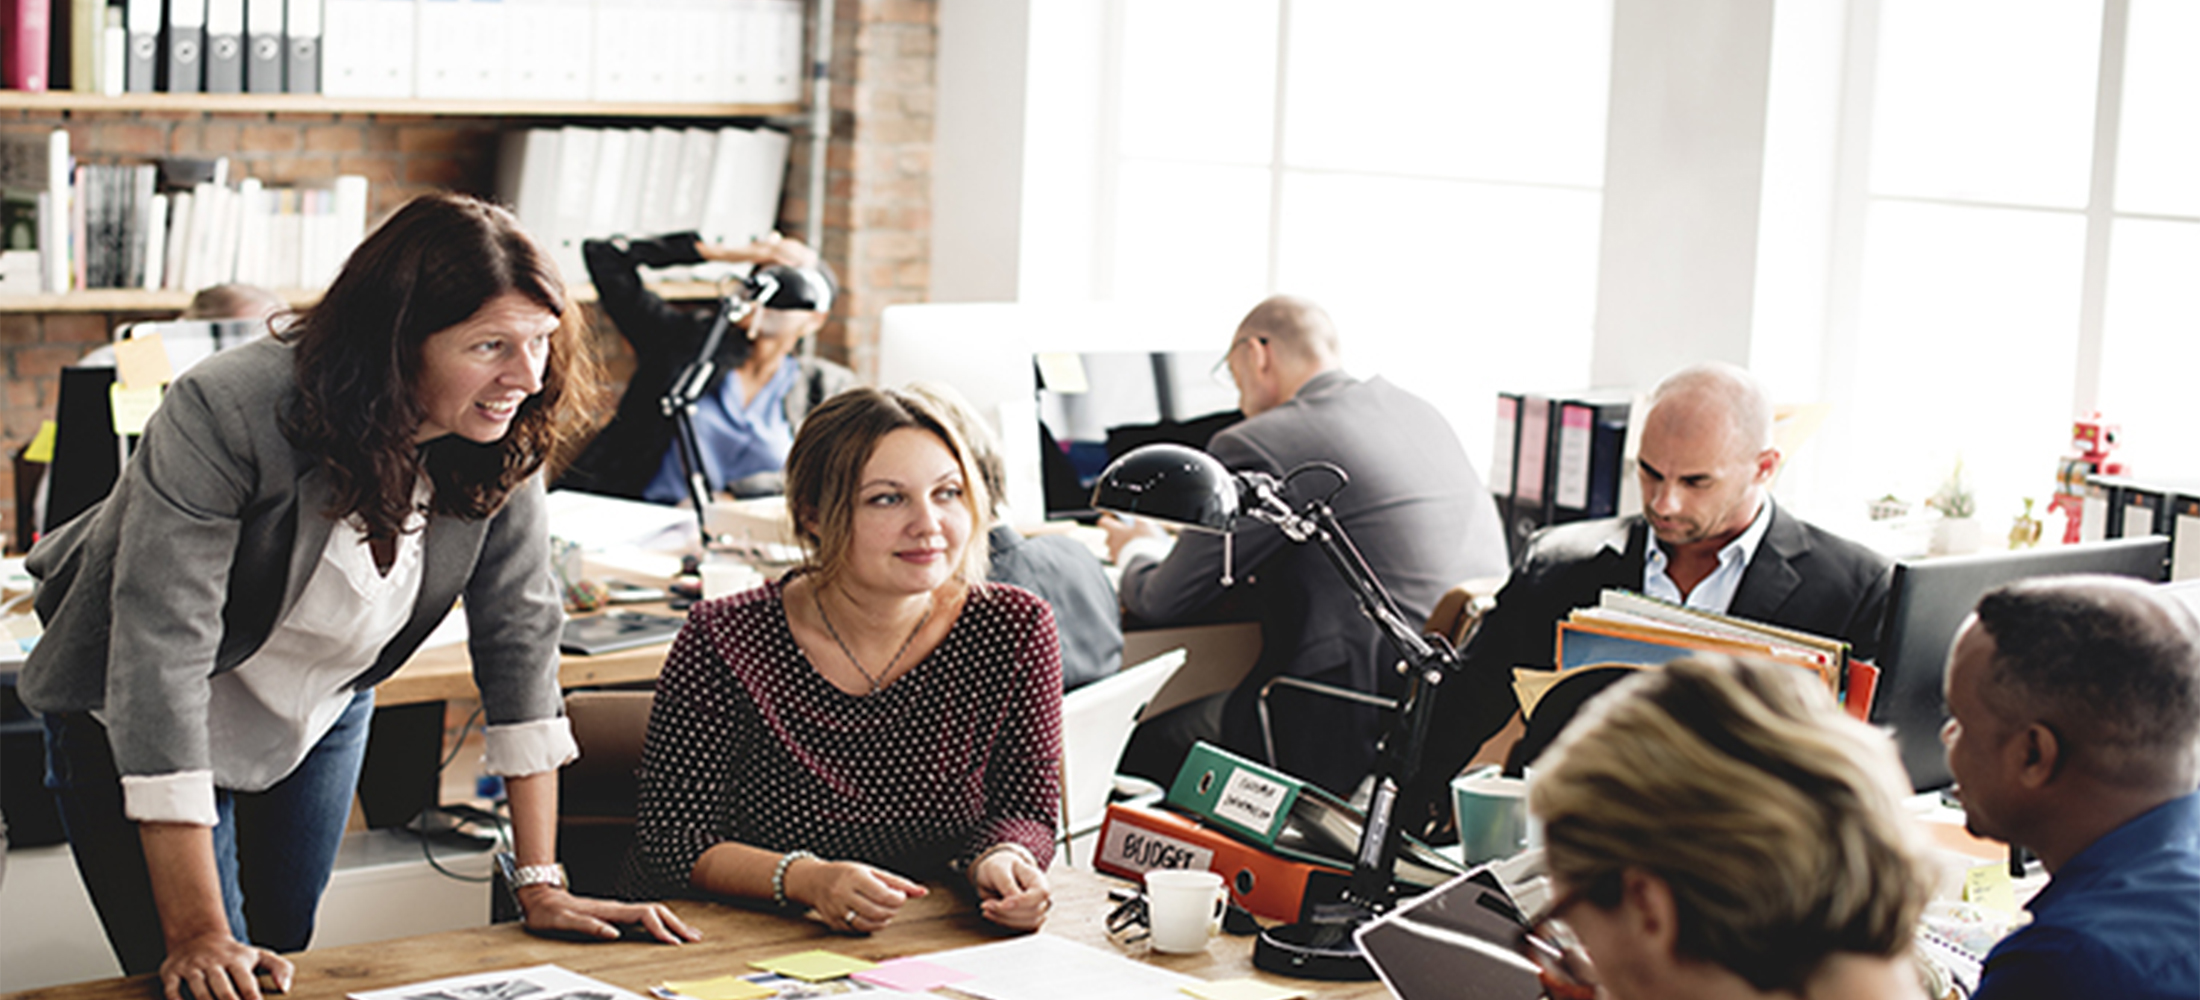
(1115, 401)
(1928, 603)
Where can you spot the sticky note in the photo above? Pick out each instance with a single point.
(1242, 989)
(912, 975)
(721, 988)
(141, 362)
(815, 966)
(41, 447)
(1989, 886)
(132, 408)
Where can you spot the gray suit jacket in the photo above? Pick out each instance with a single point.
(1415, 508)
(206, 542)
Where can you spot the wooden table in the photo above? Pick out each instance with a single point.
(732, 936)
(445, 673)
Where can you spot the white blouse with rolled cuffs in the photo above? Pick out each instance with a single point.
(267, 714)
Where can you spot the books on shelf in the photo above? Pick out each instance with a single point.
(648, 51)
(578, 183)
(109, 225)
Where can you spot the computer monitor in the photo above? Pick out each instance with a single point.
(1928, 603)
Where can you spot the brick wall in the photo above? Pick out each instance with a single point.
(877, 211)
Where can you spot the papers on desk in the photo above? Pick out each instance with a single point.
(1044, 967)
(606, 524)
(541, 982)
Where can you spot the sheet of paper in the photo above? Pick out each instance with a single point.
(1045, 967)
(912, 974)
(599, 522)
(1530, 686)
(540, 980)
(41, 447)
(141, 362)
(722, 988)
(1990, 886)
(815, 966)
(132, 408)
(1243, 989)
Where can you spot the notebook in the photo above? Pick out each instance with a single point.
(617, 630)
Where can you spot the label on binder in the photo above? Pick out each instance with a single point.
(1251, 800)
(1133, 849)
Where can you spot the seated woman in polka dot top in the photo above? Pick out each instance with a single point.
(880, 713)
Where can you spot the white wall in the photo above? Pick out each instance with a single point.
(978, 150)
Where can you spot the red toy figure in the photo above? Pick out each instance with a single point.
(2092, 437)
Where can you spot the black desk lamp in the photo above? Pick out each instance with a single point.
(695, 379)
(1189, 487)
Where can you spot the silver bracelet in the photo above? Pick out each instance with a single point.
(779, 874)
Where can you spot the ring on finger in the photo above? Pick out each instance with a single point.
(850, 919)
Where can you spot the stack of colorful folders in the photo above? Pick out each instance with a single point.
(1630, 630)
(1281, 844)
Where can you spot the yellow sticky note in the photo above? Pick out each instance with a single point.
(722, 988)
(132, 407)
(1062, 372)
(1242, 989)
(1989, 886)
(141, 362)
(41, 447)
(815, 966)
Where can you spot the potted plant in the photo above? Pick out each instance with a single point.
(1957, 531)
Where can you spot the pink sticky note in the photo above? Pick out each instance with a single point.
(911, 975)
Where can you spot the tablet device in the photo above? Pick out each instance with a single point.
(1453, 942)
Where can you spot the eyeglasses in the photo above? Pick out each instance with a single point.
(1220, 373)
(1560, 962)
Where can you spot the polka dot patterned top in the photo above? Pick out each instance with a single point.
(748, 743)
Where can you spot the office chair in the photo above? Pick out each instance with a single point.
(596, 794)
(1455, 617)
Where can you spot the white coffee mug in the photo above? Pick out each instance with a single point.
(723, 576)
(1184, 908)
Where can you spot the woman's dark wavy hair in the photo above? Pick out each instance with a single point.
(431, 266)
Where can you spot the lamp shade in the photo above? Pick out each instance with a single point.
(1169, 482)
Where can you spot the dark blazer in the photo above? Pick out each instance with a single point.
(1801, 577)
(1420, 517)
(627, 453)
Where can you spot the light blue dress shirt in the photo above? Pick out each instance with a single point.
(1715, 592)
(737, 441)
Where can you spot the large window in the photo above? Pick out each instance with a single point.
(1428, 170)
(2030, 231)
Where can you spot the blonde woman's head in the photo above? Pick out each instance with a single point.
(1775, 820)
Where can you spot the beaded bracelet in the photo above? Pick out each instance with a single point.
(779, 874)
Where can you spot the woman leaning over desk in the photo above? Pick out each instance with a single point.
(878, 713)
(1718, 828)
(301, 512)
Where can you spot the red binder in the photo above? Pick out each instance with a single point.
(1134, 841)
(24, 35)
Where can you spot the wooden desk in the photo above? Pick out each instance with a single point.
(445, 673)
(732, 937)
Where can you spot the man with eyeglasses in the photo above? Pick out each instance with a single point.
(1414, 506)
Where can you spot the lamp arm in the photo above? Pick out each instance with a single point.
(679, 402)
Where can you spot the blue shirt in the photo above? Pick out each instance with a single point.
(1715, 592)
(737, 441)
(2122, 919)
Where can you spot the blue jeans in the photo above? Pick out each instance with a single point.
(274, 849)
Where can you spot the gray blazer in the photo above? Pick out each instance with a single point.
(1415, 508)
(207, 541)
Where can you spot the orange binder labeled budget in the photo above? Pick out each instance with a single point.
(1134, 841)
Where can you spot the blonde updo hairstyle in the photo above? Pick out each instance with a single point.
(824, 474)
(1776, 820)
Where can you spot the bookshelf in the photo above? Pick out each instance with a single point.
(70, 103)
(124, 300)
